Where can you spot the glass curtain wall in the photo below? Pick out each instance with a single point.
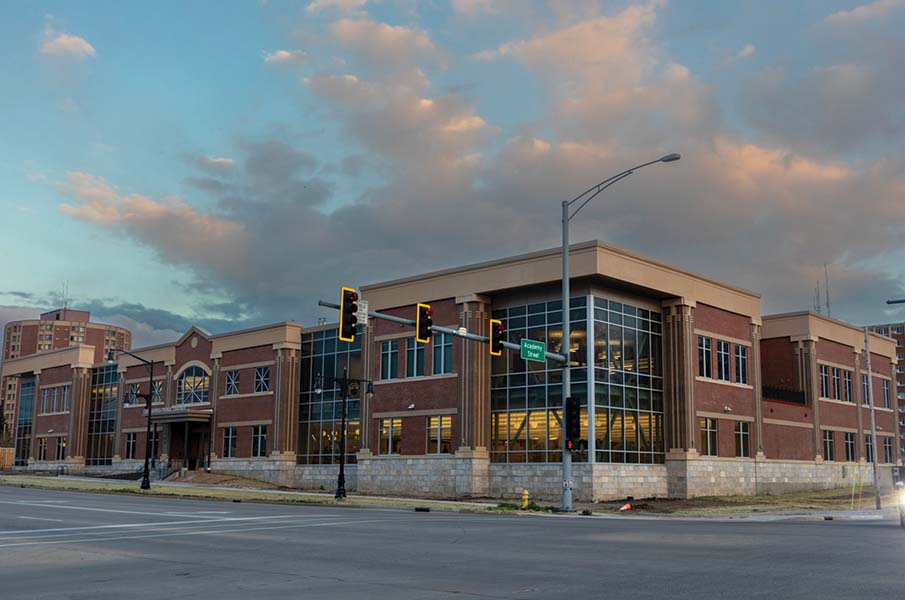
(102, 415)
(320, 415)
(625, 418)
(25, 421)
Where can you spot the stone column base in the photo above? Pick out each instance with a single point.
(472, 472)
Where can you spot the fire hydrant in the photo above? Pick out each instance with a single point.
(526, 499)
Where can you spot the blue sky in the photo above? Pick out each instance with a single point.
(229, 163)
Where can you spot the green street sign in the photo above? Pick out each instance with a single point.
(532, 350)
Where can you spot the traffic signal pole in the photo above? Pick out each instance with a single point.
(447, 330)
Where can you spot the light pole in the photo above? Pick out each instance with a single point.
(587, 196)
(146, 473)
(875, 447)
(346, 386)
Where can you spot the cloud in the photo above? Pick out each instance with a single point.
(286, 57)
(827, 111)
(64, 45)
(382, 45)
(864, 12)
(215, 165)
(343, 6)
(473, 8)
(744, 53)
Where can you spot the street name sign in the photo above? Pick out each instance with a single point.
(533, 350)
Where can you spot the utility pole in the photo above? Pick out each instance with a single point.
(873, 422)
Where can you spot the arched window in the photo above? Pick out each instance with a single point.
(192, 386)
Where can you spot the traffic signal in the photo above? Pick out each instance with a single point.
(496, 337)
(573, 423)
(424, 323)
(348, 314)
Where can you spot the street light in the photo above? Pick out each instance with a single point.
(146, 473)
(587, 196)
(346, 386)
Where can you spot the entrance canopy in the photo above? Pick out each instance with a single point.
(181, 413)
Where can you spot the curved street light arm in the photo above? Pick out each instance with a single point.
(896, 301)
(600, 188)
(610, 180)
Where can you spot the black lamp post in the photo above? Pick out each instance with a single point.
(347, 386)
(146, 472)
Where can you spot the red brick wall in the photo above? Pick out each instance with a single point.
(835, 352)
(255, 354)
(789, 443)
(185, 353)
(777, 358)
(61, 374)
(256, 408)
(838, 415)
(715, 320)
(713, 397)
(787, 411)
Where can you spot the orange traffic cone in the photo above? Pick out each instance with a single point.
(626, 506)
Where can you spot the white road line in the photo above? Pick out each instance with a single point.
(20, 532)
(179, 534)
(41, 519)
(106, 510)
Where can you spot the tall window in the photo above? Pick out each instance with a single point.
(259, 441)
(45, 401)
(131, 442)
(232, 383)
(865, 389)
(389, 359)
(824, 381)
(414, 358)
(886, 403)
(320, 415)
(61, 448)
(708, 437)
(102, 403)
(849, 447)
(847, 375)
(229, 442)
(192, 386)
(741, 364)
(262, 379)
(131, 396)
(887, 450)
(836, 383)
(390, 436)
(829, 445)
(25, 421)
(742, 440)
(42, 448)
(869, 447)
(705, 368)
(439, 434)
(442, 353)
(722, 360)
(156, 388)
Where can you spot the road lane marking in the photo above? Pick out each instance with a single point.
(185, 533)
(40, 519)
(26, 533)
(106, 510)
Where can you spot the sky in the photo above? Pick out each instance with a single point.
(227, 164)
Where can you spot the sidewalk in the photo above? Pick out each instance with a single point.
(738, 509)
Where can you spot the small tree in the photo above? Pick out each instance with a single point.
(5, 437)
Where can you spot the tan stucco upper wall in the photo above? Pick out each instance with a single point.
(807, 324)
(586, 259)
(74, 356)
(157, 354)
(282, 335)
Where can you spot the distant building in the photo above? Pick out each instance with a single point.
(53, 330)
(897, 332)
(685, 391)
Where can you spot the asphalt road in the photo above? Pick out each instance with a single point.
(71, 545)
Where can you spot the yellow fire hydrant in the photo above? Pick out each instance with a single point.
(526, 499)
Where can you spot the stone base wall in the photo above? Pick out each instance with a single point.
(425, 476)
(709, 477)
(590, 482)
(277, 472)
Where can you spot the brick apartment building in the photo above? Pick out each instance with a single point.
(53, 330)
(897, 332)
(685, 390)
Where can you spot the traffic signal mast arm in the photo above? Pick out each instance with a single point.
(447, 330)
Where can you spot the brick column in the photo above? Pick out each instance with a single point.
(808, 377)
(755, 371)
(894, 390)
(120, 395)
(679, 351)
(474, 375)
(860, 401)
(286, 403)
(369, 352)
(214, 393)
(78, 416)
